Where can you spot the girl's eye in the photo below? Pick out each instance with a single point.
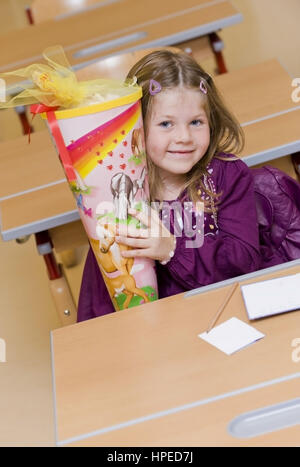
(197, 122)
(165, 124)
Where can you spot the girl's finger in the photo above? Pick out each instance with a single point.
(146, 216)
(135, 242)
(130, 231)
(141, 216)
(134, 253)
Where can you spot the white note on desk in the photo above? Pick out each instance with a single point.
(231, 336)
(272, 296)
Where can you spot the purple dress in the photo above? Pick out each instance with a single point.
(230, 247)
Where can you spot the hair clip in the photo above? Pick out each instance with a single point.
(203, 87)
(154, 87)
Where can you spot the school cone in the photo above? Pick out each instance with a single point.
(102, 151)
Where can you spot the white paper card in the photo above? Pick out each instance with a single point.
(231, 336)
(272, 296)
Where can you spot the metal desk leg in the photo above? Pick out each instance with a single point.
(217, 46)
(59, 286)
(21, 111)
(29, 15)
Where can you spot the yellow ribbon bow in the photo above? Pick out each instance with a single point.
(56, 84)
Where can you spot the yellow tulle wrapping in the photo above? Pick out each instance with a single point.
(55, 84)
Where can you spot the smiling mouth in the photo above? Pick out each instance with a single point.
(181, 152)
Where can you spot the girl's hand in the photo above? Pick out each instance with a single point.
(155, 242)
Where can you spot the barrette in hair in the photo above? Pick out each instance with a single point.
(203, 87)
(154, 87)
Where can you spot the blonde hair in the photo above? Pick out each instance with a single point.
(176, 68)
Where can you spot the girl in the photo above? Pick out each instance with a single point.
(190, 137)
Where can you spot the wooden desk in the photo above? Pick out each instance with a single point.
(207, 424)
(26, 166)
(110, 29)
(260, 97)
(140, 364)
(42, 10)
(33, 175)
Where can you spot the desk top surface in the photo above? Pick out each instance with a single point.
(43, 10)
(31, 185)
(149, 359)
(114, 27)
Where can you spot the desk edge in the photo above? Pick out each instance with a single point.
(251, 275)
(40, 225)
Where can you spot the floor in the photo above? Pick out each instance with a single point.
(27, 313)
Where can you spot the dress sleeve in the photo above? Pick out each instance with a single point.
(234, 249)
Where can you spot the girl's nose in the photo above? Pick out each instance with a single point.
(183, 134)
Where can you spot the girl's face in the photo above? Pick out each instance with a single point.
(177, 131)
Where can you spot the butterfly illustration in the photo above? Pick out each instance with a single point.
(87, 212)
(79, 201)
